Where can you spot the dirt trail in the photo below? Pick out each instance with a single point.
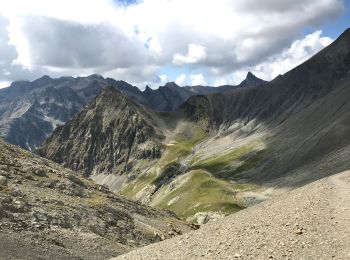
(312, 222)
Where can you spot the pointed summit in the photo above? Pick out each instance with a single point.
(148, 89)
(251, 81)
(250, 75)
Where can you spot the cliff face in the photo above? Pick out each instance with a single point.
(112, 134)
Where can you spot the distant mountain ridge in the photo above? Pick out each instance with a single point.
(30, 111)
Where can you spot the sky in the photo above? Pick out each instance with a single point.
(151, 42)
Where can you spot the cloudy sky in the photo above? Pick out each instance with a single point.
(151, 42)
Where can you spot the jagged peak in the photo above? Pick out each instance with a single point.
(251, 80)
(250, 75)
(95, 76)
(45, 77)
(148, 89)
(171, 84)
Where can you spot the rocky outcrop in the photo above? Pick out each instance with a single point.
(42, 203)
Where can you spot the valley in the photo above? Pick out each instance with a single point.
(123, 171)
(217, 153)
(143, 129)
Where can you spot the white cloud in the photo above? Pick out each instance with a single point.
(163, 78)
(197, 79)
(298, 52)
(181, 80)
(4, 84)
(134, 42)
(220, 82)
(195, 54)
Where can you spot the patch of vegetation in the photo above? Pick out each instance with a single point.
(181, 146)
(131, 190)
(201, 192)
(222, 165)
(207, 186)
(97, 200)
(167, 174)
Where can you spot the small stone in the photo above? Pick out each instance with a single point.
(103, 188)
(237, 255)
(299, 231)
(40, 173)
(3, 180)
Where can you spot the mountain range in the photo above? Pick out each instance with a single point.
(112, 168)
(30, 111)
(216, 153)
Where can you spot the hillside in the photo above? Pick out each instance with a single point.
(258, 142)
(223, 152)
(311, 222)
(47, 211)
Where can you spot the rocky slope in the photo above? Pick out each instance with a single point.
(47, 211)
(111, 135)
(224, 152)
(312, 222)
(30, 111)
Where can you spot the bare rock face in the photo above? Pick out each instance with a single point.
(47, 208)
(112, 134)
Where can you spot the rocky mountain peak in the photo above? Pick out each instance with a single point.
(45, 77)
(251, 81)
(42, 81)
(95, 76)
(250, 76)
(148, 89)
(171, 85)
(112, 130)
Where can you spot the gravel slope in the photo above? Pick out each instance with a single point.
(312, 222)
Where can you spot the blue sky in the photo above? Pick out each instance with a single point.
(334, 28)
(150, 42)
